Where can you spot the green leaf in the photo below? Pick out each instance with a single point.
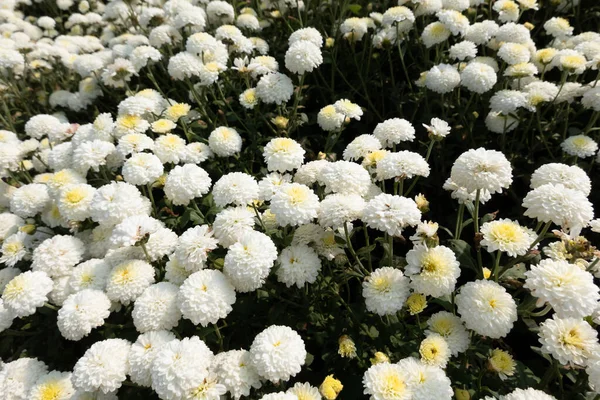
(355, 8)
(462, 250)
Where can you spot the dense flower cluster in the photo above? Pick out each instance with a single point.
(205, 199)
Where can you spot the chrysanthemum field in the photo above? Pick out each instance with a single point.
(299, 199)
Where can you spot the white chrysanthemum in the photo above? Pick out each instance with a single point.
(508, 101)
(128, 280)
(361, 146)
(402, 165)
(298, 264)
(275, 88)
(337, 209)
(116, 201)
(514, 53)
(91, 155)
(294, 204)
(593, 372)
(329, 119)
(434, 351)
(170, 148)
(91, 274)
(205, 297)
(394, 131)
(75, 200)
(232, 223)
(566, 287)
(304, 391)
(9, 224)
(487, 308)
(19, 376)
(434, 33)
(348, 109)
(309, 173)
(57, 255)
(591, 99)
(438, 129)
(271, 183)
(197, 152)
(507, 236)
(81, 312)
(569, 340)
(499, 123)
(442, 78)
(55, 385)
(156, 308)
(432, 271)
(451, 328)
(44, 125)
(249, 261)
(143, 352)
(303, 56)
(175, 272)
(179, 366)
(57, 181)
(142, 169)
(310, 34)
(133, 143)
(528, 394)
(184, 183)
(391, 214)
(482, 169)
(558, 27)
(225, 141)
(482, 32)
(15, 248)
(132, 230)
(283, 154)
(426, 381)
(234, 369)
(26, 292)
(463, 50)
(279, 396)
(237, 188)
(478, 77)
(248, 98)
(277, 353)
(386, 381)
(354, 28)
(103, 367)
(344, 177)
(262, 65)
(568, 208)
(580, 146)
(193, 247)
(29, 200)
(385, 291)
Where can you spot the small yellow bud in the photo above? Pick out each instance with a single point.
(347, 347)
(330, 388)
(160, 182)
(462, 394)
(28, 229)
(329, 42)
(475, 114)
(487, 273)
(321, 156)
(422, 203)
(280, 122)
(529, 25)
(416, 303)
(119, 178)
(276, 14)
(379, 358)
